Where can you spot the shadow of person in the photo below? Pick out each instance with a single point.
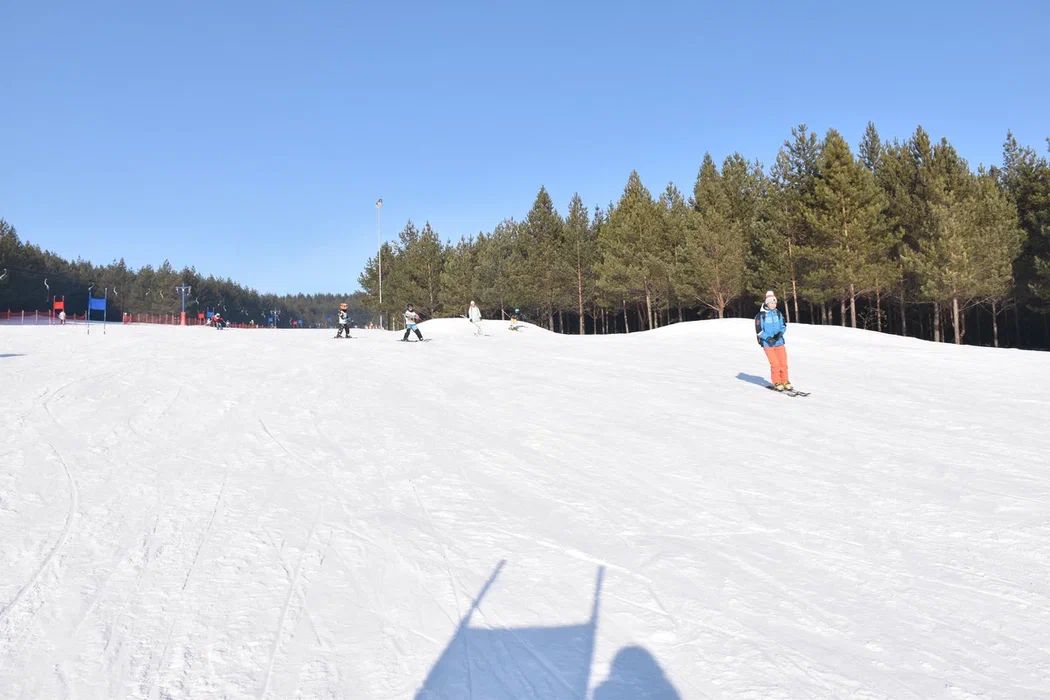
(752, 379)
(550, 662)
(635, 675)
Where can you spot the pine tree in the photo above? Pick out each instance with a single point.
(547, 256)
(788, 233)
(583, 244)
(677, 219)
(969, 257)
(458, 283)
(632, 261)
(495, 254)
(847, 204)
(712, 259)
(1025, 176)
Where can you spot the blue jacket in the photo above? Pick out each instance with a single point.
(770, 327)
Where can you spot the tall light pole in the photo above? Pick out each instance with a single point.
(379, 243)
(184, 291)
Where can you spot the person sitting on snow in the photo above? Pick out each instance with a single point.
(515, 323)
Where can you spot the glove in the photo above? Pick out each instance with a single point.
(776, 338)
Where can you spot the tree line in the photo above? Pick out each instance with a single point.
(901, 237)
(35, 276)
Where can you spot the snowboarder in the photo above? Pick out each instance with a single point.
(769, 328)
(474, 314)
(344, 321)
(411, 319)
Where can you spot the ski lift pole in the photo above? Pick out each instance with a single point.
(47, 297)
(183, 290)
(87, 314)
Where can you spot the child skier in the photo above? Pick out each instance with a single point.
(344, 321)
(411, 319)
(474, 314)
(770, 327)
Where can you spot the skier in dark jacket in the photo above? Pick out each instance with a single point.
(344, 320)
(770, 327)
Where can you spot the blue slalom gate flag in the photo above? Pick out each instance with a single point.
(96, 305)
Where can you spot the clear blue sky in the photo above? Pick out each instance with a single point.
(251, 139)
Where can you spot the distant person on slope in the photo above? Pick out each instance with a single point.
(515, 321)
(411, 319)
(770, 327)
(474, 314)
(344, 320)
(62, 317)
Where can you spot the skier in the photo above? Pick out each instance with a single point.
(62, 317)
(769, 328)
(515, 324)
(218, 321)
(474, 314)
(411, 319)
(344, 321)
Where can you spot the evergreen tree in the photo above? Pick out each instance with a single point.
(788, 233)
(712, 259)
(547, 257)
(458, 284)
(677, 220)
(970, 256)
(583, 245)
(845, 218)
(1025, 176)
(495, 258)
(632, 261)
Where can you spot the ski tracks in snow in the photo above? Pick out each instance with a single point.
(59, 544)
(293, 586)
(67, 528)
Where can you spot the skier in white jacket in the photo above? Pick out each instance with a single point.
(411, 319)
(474, 314)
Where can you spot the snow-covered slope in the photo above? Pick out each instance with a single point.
(186, 513)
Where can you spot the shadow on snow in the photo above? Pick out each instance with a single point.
(752, 379)
(540, 663)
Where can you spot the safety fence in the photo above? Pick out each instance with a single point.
(45, 318)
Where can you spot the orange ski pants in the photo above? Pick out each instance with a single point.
(778, 363)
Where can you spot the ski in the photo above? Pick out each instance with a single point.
(787, 392)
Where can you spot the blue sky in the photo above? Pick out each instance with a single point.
(251, 139)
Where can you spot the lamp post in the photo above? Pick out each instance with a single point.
(379, 243)
(184, 291)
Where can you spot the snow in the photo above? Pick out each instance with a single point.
(190, 513)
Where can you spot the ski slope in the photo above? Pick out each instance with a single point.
(187, 513)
